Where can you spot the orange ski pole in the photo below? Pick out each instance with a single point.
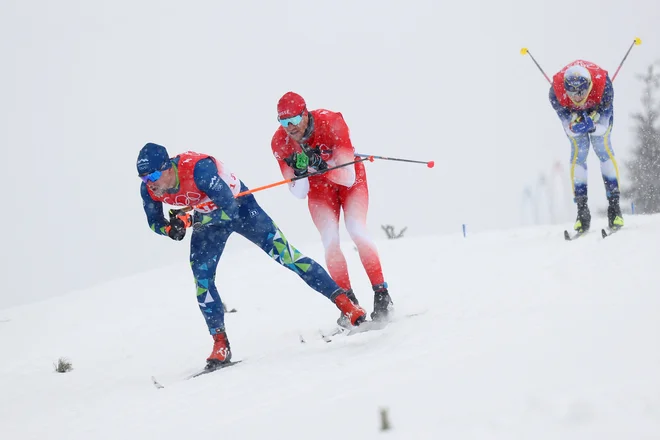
(293, 179)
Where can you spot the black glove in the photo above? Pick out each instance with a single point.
(176, 230)
(316, 162)
(300, 162)
(179, 221)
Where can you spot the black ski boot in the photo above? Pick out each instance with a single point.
(343, 320)
(614, 216)
(382, 303)
(583, 221)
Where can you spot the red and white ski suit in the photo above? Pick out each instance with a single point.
(327, 194)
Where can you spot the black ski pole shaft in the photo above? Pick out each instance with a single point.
(429, 163)
(636, 42)
(525, 51)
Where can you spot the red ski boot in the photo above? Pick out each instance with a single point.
(221, 353)
(355, 314)
(343, 320)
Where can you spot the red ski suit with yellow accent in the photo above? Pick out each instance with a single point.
(598, 79)
(327, 194)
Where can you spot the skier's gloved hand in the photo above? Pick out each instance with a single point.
(595, 116)
(179, 221)
(183, 215)
(583, 124)
(316, 162)
(176, 230)
(299, 162)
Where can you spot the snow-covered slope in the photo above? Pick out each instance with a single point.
(514, 334)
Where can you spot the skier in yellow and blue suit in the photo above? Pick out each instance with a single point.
(583, 97)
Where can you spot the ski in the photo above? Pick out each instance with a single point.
(156, 383)
(609, 231)
(605, 232)
(367, 326)
(352, 330)
(214, 368)
(569, 237)
(364, 327)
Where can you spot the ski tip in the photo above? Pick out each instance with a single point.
(603, 232)
(567, 236)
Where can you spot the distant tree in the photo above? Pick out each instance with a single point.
(389, 230)
(643, 188)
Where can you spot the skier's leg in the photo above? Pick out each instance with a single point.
(608, 164)
(579, 153)
(610, 172)
(206, 246)
(259, 228)
(324, 207)
(355, 201)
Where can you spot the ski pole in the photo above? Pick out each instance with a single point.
(636, 42)
(293, 179)
(525, 51)
(429, 164)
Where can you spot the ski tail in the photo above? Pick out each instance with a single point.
(609, 231)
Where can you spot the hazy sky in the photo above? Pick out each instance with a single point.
(85, 84)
